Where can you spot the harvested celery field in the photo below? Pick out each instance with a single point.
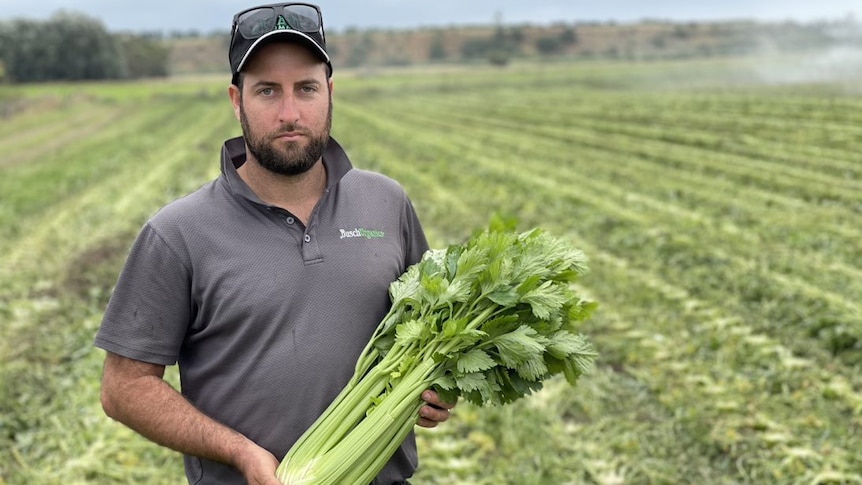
(722, 219)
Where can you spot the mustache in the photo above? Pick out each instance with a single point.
(290, 128)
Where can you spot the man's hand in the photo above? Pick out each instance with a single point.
(434, 411)
(257, 465)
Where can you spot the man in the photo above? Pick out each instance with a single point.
(255, 284)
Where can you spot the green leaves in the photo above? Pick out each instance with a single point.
(518, 346)
(410, 332)
(547, 299)
(497, 314)
(475, 360)
(470, 382)
(564, 344)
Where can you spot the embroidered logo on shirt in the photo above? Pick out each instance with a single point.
(360, 232)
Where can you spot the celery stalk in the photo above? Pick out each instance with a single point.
(487, 320)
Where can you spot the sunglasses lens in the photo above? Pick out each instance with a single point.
(254, 23)
(302, 18)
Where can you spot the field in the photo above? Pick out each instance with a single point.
(722, 218)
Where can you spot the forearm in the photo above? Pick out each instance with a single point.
(158, 412)
(136, 395)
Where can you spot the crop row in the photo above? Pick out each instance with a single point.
(721, 213)
(719, 147)
(73, 212)
(727, 273)
(664, 256)
(730, 248)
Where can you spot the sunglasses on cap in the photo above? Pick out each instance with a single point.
(257, 21)
(300, 22)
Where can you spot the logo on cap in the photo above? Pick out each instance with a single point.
(281, 24)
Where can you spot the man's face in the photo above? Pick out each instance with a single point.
(284, 108)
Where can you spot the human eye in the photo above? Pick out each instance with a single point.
(266, 91)
(308, 89)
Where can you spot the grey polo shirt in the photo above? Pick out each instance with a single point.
(264, 316)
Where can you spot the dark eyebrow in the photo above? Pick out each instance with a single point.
(309, 82)
(264, 84)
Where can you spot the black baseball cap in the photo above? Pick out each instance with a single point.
(287, 22)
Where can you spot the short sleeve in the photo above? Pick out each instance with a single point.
(150, 308)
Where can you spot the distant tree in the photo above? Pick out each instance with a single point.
(6, 47)
(437, 50)
(397, 60)
(331, 49)
(500, 36)
(184, 34)
(517, 36)
(549, 45)
(497, 50)
(360, 51)
(506, 41)
(84, 48)
(143, 56)
(68, 46)
(476, 48)
(568, 36)
(681, 32)
(499, 57)
(152, 34)
(22, 52)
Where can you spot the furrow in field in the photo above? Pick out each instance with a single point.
(813, 280)
(750, 149)
(35, 188)
(750, 391)
(432, 199)
(119, 201)
(25, 146)
(559, 143)
(762, 214)
(732, 111)
(51, 290)
(734, 158)
(722, 389)
(605, 201)
(614, 113)
(572, 116)
(572, 146)
(747, 161)
(31, 113)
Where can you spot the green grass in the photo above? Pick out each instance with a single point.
(721, 218)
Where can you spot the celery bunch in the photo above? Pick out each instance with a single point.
(487, 320)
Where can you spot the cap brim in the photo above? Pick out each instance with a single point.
(295, 35)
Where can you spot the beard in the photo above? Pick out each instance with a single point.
(292, 159)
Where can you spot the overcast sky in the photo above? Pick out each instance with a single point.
(206, 16)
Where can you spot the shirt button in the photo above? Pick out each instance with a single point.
(290, 220)
(307, 238)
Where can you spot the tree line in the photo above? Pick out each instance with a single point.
(72, 47)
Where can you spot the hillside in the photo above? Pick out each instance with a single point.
(641, 41)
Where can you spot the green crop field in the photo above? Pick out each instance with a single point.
(722, 219)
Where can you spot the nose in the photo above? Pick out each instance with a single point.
(289, 112)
